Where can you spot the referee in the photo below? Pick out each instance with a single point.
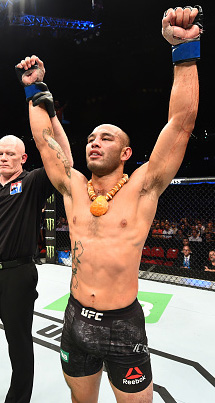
(22, 197)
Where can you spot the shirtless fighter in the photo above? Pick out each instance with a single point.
(109, 220)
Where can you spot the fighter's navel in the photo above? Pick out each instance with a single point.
(123, 223)
(74, 220)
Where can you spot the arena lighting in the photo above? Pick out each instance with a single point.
(78, 30)
(54, 23)
(7, 4)
(51, 22)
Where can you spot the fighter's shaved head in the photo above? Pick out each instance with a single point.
(125, 140)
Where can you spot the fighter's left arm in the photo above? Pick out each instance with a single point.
(170, 147)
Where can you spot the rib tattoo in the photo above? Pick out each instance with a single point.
(76, 253)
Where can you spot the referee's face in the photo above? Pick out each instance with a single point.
(11, 159)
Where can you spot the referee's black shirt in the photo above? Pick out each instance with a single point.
(21, 203)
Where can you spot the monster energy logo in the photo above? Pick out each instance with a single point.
(51, 199)
(50, 251)
(50, 224)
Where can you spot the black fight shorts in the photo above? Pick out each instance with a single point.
(116, 338)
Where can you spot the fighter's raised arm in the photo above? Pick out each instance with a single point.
(30, 72)
(181, 28)
(56, 163)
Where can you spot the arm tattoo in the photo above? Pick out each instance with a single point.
(76, 253)
(49, 138)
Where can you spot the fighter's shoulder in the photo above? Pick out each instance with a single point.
(143, 180)
(77, 178)
(139, 176)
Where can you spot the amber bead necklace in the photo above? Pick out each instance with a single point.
(99, 204)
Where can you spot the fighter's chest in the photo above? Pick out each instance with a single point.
(107, 224)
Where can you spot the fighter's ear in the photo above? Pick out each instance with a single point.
(24, 158)
(126, 153)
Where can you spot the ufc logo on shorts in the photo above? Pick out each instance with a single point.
(91, 314)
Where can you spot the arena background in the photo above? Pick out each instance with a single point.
(119, 73)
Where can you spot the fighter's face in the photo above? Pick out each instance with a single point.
(11, 159)
(103, 150)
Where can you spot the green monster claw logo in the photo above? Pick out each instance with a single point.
(50, 199)
(50, 224)
(50, 251)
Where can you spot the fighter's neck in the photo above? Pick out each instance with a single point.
(103, 184)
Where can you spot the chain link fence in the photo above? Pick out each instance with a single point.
(179, 248)
(63, 244)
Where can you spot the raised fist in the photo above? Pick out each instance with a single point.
(30, 70)
(178, 25)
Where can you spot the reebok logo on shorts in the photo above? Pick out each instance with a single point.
(133, 376)
(64, 355)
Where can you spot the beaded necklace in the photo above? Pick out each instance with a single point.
(99, 204)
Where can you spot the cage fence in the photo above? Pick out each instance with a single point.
(180, 244)
(63, 245)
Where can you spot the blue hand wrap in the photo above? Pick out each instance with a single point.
(185, 52)
(31, 90)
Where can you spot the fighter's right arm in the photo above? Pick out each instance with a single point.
(57, 166)
(30, 72)
(61, 138)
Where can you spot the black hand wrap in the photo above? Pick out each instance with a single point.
(199, 18)
(46, 98)
(22, 72)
